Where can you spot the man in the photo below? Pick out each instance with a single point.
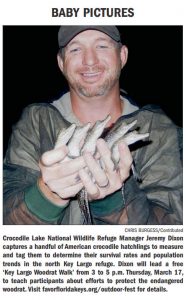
(42, 187)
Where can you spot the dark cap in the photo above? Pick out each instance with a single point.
(67, 33)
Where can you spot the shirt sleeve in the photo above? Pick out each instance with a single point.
(34, 134)
(42, 207)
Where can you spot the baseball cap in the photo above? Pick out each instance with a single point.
(67, 33)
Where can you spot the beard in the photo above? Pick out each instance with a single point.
(96, 90)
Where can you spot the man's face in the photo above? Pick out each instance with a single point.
(92, 63)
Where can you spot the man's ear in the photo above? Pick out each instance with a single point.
(124, 55)
(60, 62)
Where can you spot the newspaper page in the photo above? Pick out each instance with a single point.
(133, 261)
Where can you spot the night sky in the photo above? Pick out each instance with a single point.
(153, 73)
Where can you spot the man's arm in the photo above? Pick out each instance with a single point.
(158, 198)
(31, 192)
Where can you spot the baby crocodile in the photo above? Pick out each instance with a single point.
(93, 135)
(80, 139)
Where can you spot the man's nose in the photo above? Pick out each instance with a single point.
(90, 57)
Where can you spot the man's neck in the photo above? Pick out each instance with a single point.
(97, 108)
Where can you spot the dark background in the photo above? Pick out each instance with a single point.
(153, 73)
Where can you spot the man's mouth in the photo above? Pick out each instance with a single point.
(91, 76)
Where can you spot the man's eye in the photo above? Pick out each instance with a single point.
(102, 46)
(74, 50)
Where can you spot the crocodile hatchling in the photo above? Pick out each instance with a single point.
(83, 138)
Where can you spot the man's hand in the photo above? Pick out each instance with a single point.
(60, 179)
(109, 180)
